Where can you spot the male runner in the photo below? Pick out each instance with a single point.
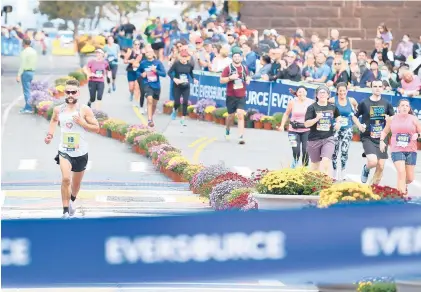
(236, 76)
(374, 112)
(75, 120)
(150, 70)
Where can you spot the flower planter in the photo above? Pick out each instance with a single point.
(356, 137)
(179, 114)
(167, 110)
(122, 137)
(267, 126)
(337, 287)
(103, 132)
(135, 148)
(56, 95)
(273, 202)
(45, 115)
(142, 151)
(208, 117)
(221, 121)
(109, 133)
(193, 116)
(154, 161)
(114, 135)
(418, 145)
(258, 125)
(249, 124)
(40, 113)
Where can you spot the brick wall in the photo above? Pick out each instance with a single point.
(356, 19)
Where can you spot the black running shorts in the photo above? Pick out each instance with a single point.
(78, 163)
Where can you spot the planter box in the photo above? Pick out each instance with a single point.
(209, 117)
(419, 145)
(356, 137)
(258, 125)
(249, 124)
(179, 114)
(193, 116)
(103, 132)
(267, 126)
(274, 202)
(114, 135)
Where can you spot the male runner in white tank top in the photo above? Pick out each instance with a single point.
(75, 120)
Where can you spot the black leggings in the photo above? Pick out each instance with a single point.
(178, 93)
(113, 73)
(301, 140)
(96, 90)
(142, 93)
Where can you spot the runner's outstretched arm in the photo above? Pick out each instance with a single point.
(53, 122)
(160, 70)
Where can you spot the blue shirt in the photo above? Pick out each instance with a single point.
(250, 61)
(152, 78)
(112, 51)
(321, 71)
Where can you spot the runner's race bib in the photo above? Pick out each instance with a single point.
(151, 76)
(111, 58)
(325, 123)
(238, 84)
(402, 140)
(158, 40)
(99, 73)
(292, 140)
(184, 78)
(71, 141)
(376, 128)
(344, 122)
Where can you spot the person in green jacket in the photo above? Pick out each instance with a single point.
(149, 29)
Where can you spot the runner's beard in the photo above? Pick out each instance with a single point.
(73, 102)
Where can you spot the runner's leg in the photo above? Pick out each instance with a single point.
(304, 140)
(100, 93)
(345, 144)
(296, 149)
(338, 140)
(66, 169)
(186, 95)
(378, 174)
(177, 96)
(402, 178)
(136, 93)
(131, 89)
(92, 92)
(114, 69)
(410, 170)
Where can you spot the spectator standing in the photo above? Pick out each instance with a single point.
(28, 64)
(265, 69)
(404, 49)
(384, 33)
(250, 57)
(289, 69)
(221, 60)
(321, 72)
(266, 44)
(340, 73)
(334, 39)
(411, 85)
(348, 54)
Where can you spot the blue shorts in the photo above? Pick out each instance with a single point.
(410, 158)
(132, 76)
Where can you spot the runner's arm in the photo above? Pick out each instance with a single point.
(354, 104)
(127, 56)
(286, 114)
(385, 131)
(87, 70)
(160, 70)
(310, 117)
(171, 71)
(53, 122)
(91, 123)
(225, 78)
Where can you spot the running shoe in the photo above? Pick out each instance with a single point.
(114, 88)
(109, 90)
(65, 215)
(26, 111)
(89, 104)
(173, 115)
(142, 111)
(72, 208)
(364, 174)
(151, 124)
(294, 164)
(183, 122)
(241, 140)
(343, 175)
(227, 133)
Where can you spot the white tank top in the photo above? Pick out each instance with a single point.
(72, 137)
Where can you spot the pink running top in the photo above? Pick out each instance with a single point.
(298, 113)
(403, 127)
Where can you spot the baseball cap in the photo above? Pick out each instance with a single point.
(99, 51)
(266, 32)
(236, 50)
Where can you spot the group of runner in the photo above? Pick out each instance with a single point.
(319, 131)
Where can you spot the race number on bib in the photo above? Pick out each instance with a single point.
(344, 122)
(324, 124)
(111, 58)
(99, 73)
(71, 141)
(292, 140)
(151, 76)
(238, 84)
(158, 40)
(376, 128)
(184, 78)
(402, 140)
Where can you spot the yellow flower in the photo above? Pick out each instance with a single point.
(190, 107)
(210, 109)
(225, 115)
(60, 88)
(347, 191)
(169, 103)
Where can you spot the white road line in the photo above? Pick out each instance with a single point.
(89, 165)
(137, 166)
(242, 170)
(27, 164)
(9, 108)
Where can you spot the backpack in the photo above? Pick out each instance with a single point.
(243, 71)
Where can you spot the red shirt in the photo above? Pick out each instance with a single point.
(236, 88)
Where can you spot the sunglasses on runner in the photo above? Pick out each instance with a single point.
(71, 92)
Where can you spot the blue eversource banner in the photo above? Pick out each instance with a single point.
(10, 46)
(319, 245)
(271, 97)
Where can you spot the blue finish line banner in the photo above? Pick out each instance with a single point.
(321, 245)
(270, 97)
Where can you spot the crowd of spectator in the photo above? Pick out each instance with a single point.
(274, 56)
